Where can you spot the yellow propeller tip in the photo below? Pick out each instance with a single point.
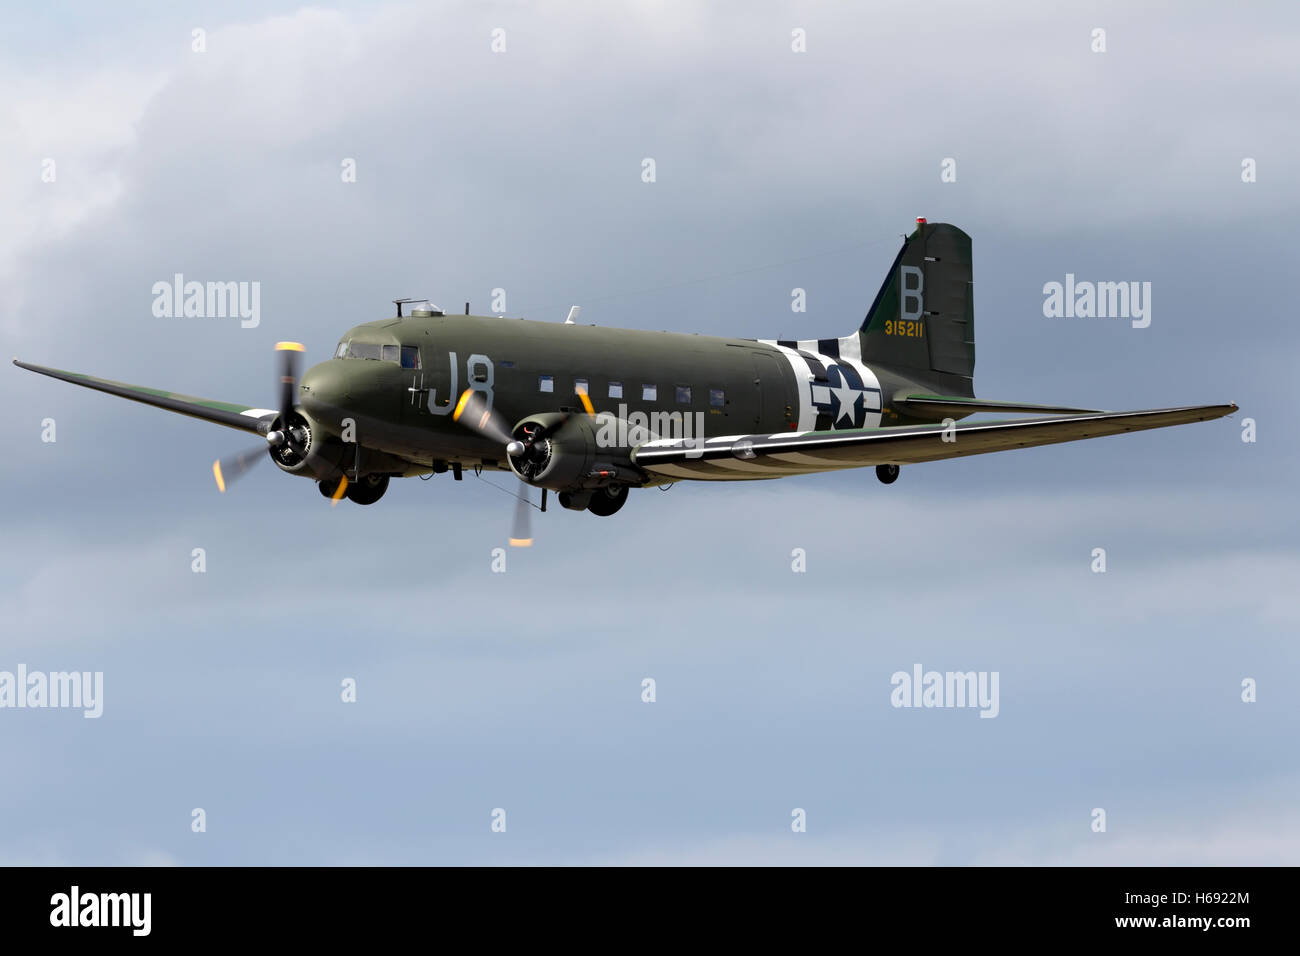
(460, 406)
(289, 347)
(586, 403)
(216, 473)
(521, 542)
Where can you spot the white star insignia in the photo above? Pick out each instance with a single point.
(846, 398)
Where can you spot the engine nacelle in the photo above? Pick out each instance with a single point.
(322, 454)
(563, 454)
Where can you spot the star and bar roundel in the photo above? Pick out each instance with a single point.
(843, 397)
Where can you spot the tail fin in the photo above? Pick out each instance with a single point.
(922, 323)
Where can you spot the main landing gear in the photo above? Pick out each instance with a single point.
(888, 474)
(603, 501)
(606, 501)
(364, 492)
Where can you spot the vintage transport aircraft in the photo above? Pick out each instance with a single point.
(592, 412)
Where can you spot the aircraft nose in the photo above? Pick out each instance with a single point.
(323, 392)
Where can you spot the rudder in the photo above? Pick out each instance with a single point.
(922, 322)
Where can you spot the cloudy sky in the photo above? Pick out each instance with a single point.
(521, 170)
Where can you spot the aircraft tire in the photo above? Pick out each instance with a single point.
(604, 503)
(368, 490)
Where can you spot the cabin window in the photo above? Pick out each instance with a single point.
(546, 383)
(615, 389)
(683, 394)
(390, 353)
(717, 397)
(580, 386)
(649, 393)
(410, 356)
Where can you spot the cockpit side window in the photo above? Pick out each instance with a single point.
(407, 355)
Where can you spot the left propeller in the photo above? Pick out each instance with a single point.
(228, 469)
(473, 412)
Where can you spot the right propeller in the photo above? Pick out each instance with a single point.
(227, 469)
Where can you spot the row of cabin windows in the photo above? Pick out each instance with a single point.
(408, 356)
(649, 393)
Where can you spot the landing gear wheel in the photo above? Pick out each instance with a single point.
(888, 474)
(368, 490)
(575, 500)
(328, 487)
(606, 501)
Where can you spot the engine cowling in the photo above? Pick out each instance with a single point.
(563, 453)
(319, 454)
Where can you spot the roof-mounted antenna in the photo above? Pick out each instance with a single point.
(419, 307)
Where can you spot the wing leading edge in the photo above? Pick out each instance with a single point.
(242, 417)
(794, 453)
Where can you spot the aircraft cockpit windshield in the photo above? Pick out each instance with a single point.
(408, 356)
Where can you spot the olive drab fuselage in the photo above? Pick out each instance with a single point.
(528, 368)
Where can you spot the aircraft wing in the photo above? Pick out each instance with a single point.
(948, 404)
(243, 417)
(792, 453)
